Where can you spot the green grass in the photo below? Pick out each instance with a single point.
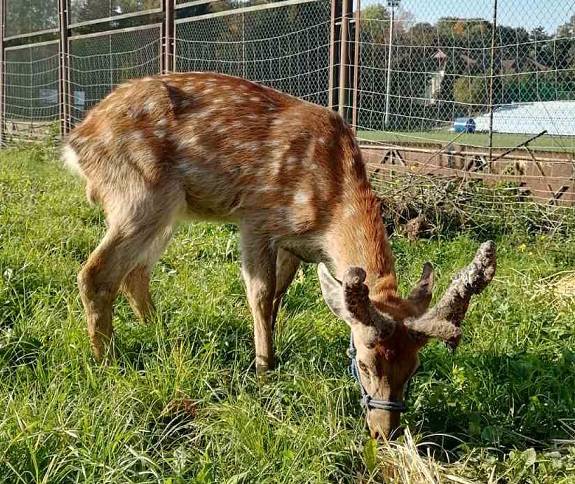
(500, 140)
(500, 408)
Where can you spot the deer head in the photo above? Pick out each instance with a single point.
(387, 345)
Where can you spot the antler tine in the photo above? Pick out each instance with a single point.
(444, 319)
(421, 294)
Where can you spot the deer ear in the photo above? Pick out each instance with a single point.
(332, 293)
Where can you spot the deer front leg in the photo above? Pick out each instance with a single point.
(287, 266)
(259, 273)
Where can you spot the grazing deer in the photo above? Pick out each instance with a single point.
(291, 175)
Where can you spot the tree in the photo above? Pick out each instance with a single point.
(27, 16)
(470, 91)
(375, 24)
(84, 10)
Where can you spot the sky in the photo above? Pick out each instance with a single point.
(517, 13)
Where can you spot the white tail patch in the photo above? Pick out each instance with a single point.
(71, 160)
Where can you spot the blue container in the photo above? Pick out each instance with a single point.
(464, 125)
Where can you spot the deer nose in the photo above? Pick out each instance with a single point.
(383, 424)
(394, 434)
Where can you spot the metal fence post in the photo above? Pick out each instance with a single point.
(64, 91)
(168, 30)
(392, 4)
(356, 61)
(332, 43)
(492, 80)
(2, 35)
(344, 39)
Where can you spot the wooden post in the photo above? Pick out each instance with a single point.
(2, 66)
(64, 91)
(343, 67)
(168, 31)
(356, 61)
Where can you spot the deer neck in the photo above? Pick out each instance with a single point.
(358, 239)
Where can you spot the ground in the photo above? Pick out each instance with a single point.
(500, 140)
(182, 403)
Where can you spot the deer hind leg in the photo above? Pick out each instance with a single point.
(259, 273)
(136, 284)
(286, 268)
(130, 237)
(136, 288)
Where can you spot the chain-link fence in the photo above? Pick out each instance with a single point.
(424, 65)
(31, 93)
(102, 60)
(284, 45)
(482, 89)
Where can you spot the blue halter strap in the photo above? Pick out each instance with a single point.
(367, 400)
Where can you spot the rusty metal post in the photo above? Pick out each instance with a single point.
(168, 41)
(332, 42)
(343, 53)
(2, 68)
(64, 81)
(356, 61)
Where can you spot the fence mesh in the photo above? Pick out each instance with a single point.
(286, 47)
(102, 61)
(31, 101)
(449, 63)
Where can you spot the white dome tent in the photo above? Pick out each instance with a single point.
(555, 117)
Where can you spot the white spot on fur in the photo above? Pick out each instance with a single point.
(302, 197)
(192, 140)
(150, 105)
(266, 189)
(108, 135)
(274, 144)
(71, 160)
(249, 146)
(138, 136)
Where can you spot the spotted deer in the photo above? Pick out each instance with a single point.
(290, 174)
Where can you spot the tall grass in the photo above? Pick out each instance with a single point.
(182, 404)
